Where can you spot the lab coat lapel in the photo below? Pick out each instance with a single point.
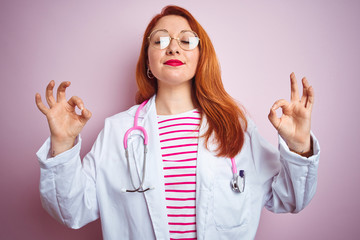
(155, 198)
(204, 182)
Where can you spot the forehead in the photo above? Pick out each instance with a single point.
(173, 24)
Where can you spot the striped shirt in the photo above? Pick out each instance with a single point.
(179, 144)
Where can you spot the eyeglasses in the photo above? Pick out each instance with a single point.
(187, 40)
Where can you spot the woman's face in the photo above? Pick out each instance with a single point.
(168, 73)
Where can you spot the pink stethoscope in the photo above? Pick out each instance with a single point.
(237, 182)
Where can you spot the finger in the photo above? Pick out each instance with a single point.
(280, 103)
(294, 88)
(310, 99)
(85, 115)
(40, 104)
(306, 86)
(75, 101)
(61, 91)
(49, 93)
(275, 121)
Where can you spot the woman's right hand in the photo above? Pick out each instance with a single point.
(64, 123)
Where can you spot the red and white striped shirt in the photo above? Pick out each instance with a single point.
(179, 136)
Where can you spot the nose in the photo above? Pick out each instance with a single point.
(173, 47)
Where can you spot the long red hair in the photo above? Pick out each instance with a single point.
(224, 117)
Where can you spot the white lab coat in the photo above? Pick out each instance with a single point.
(76, 193)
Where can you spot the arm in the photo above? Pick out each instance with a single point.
(295, 185)
(294, 182)
(288, 179)
(67, 186)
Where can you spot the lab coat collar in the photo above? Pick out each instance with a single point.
(147, 109)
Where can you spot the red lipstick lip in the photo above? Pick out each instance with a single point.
(174, 62)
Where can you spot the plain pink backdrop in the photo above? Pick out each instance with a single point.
(95, 45)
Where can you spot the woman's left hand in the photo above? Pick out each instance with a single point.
(295, 123)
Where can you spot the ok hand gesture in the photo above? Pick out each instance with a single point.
(65, 124)
(295, 123)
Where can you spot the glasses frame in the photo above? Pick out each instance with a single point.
(171, 38)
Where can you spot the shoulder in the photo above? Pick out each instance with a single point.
(251, 126)
(127, 114)
(122, 119)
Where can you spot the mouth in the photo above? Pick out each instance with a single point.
(174, 62)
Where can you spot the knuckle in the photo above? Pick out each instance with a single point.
(74, 99)
(78, 100)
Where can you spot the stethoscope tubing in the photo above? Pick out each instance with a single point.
(234, 183)
(136, 127)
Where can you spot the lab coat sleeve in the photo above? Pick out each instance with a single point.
(289, 180)
(68, 186)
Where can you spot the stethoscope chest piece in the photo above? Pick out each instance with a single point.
(238, 182)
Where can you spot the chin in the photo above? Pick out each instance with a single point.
(174, 81)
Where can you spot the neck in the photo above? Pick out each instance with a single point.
(172, 100)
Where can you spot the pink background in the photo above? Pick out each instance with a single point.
(259, 43)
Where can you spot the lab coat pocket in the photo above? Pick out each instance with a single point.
(231, 209)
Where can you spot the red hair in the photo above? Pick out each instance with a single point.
(225, 120)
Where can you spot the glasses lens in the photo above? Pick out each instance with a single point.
(188, 40)
(160, 39)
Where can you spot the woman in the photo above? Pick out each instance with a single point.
(196, 137)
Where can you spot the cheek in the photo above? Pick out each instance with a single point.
(154, 58)
(150, 61)
(151, 58)
(194, 60)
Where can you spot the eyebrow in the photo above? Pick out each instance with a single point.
(168, 31)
